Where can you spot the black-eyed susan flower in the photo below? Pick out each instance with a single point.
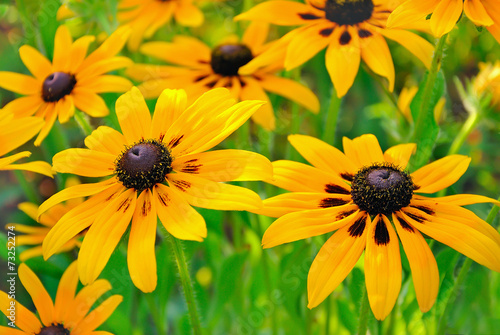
(32, 235)
(157, 168)
(371, 202)
(70, 313)
(350, 30)
(146, 17)
(71, 80)
(200, 68)
(446, 13)
(14, 132)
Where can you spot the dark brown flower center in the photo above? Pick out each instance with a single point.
(228, 58)
(143, 165)
(55, 329)
(382, 189)
(348, 12)
(57, 85)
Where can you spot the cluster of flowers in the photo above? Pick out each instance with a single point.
(159, 166)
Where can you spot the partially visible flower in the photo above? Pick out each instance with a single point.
(71, 80)
(406, 97)
(446, 13)
(13, 134)
(70, 313)
(147, 16)
(34, 234)
(371, 203)
(201, 68)
(157, 168)
(350, 30)
(488, 81)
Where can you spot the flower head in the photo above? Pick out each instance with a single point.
(446, 13)
(157, 168)
(488, 81)
(14, 133)
(69, 314)
(372, 203)
(350, 30)
(71, 80)
(146, 17)
(200, 68)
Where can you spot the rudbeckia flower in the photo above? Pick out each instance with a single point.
(69, 314)
(350, 30)
(71, 80)
(446, 13)
(157, 168)
(33, 235)
(145, 17)
(201, 68)
(13, 134)
(371, 202)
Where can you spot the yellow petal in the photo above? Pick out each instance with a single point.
(66, 109)
(141, 257)
(464, 199)
(423, 265)
(106, 83)
(400, 154)
(104, 235)
(284, 13)
(25, 319)
(440, 174)
(410, 11)
(133, 115)
(376, 54)
(20, 83)
(417, 45)
(363, 150)
(382, 267)
(445, 16)
(98, 315)
(255, 35)
(66, 292)
(84, 162)
(84, 300)
(76, 54)
(37, 166)
(225, 165)
(184, 50)
(41, 299)
(188, 15)
(18, 131)
(170, 105)
(335, 260)
(304, 224)
(107, 140)
(109, 48)
(103, 66)
(62, 45)
(177, 216)
(475, 11)
(264, 116)
(89, 103)
(24, 106)
(37, 63)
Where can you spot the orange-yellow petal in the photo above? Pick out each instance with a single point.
(84, 162)
(445, 16)
(400, 154)
(440, 174)
(284, 13)
(25, 319)
(363, 150)
(41, 299)
(475, 11)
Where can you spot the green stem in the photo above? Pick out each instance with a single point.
(467, 128)
(331, 118)
(363, 313)
(460, 280)
(29, 188)
(84, 123)
(187, 285)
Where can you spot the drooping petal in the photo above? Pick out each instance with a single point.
(133, 115)
(225, 165)
(440, 174)
(291, 90)
(417, 45)
(37, 63)
(177, 215)
(382, 267)
(4, 162)
(41, 299)
(475, 11)
(98, 315)
(400, 154)
(104, 235)
(322, 155)
(106, 139)
(37, 166)
(284, 13)
(423, 265)
(376, 54)
(410, 11)
(66, 292)
(141, 257)
(205, 193)
(84, 162)
(445, 16)
(304, 224)
(363, 150)
(335, 260)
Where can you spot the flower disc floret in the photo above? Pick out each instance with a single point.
(143, 165)
(54, 329)
(227, 59)
(348, 12)
(382, 189)
(57, 85)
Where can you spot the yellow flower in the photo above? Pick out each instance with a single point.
(145, 17)
(33, 235)
(201, 69)
(158, 168)
(71, 80)
(70, 314)
(13, 134)
(350, 30)
(488, 81)
(366, 196)
(406, 97)
(446, 13)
